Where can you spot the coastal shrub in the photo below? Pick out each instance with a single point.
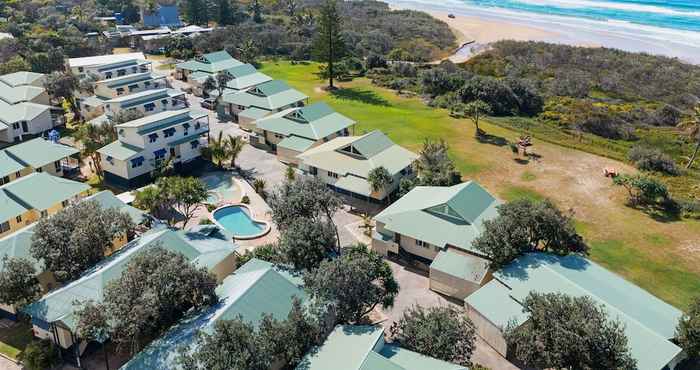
(652, 159)
(245, 199)
(642, 189)
(40, 355)
(375, 61)
(205, 221)
(507, 97)
(438, 81)
(267, 252)
(404, 70)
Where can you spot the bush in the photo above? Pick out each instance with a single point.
(245, 199)
(652, 159)
(375, 61)
(40, 355)
(211, 207)
(689, 208)
(642, 190)
(205, 221)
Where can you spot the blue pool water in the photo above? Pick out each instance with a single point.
(236, 220)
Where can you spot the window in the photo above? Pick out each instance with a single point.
(152, 138)
(169, 132)
(18, 219)
(18, 174)
(194, 144)
(4, 180)
(133, 87)
(44, 214)
(108, 75)
(64, 203)
(332, 175)
(15, 126)
(197, 126)
(110, 160)
(421, 243)
(81, 69)
(147, 83)
(121, 72)
(313, 171)
(57, 166)
(39, 169)
(120, 90)
(160, 153)
(150, 107)
(137, 162)
(4, 227)
(165, 102)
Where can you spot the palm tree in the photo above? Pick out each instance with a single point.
(234, 146)
(692, 128)
(379, 179)
(217, 149)
(259, 186)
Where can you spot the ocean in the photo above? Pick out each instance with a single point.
(668, 27)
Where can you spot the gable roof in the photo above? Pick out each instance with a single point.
(22, 78)
(649, 322)
(255, 288)
(24, 111)
(210, 63)
(18, 243)
(362, 347)
(59, 305)
(104, 59)
(315, 122)
(246, 76)
(34, 153)
(162, 119)
(363, 153)
(30, 192)
(451, 215)
(270, 95)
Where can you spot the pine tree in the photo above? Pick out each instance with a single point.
(329, 45)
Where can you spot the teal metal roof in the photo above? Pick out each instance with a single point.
(10, 207)
(493, 301)
(119, 150)
(24, 111)
(246, 76)
(447, 215)
(254, 113)
(256, 288)
(59, 305)
(295, 143)
(270, 95)
(314, 122)
(352, 155)
(211, 63)
(39, 152)
(649, 322)
(22, 78)
(18, 243)
(362, 347)
(9, 164)
(465, 267)
(31, 190)
(23, 93)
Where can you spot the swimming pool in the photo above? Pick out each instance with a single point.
(237, 220)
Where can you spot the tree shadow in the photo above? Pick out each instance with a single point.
(359, 95)
(521, 161)
(659, 212)
(491, 139)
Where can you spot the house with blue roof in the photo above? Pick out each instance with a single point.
(649, 323)
(362, 347)
(54, 315)
(256, 288)
(435, 227)
(162, 16)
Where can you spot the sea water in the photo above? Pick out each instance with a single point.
(668, 27)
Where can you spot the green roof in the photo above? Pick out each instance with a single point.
(296, 143)
(649, 322)
(254, 113)
(18, 243)
(313, 122)
(246, 76)
(211, 63)
(358, 155)
(24, 111)
(9, 164)
(37, 153)
(59, 305)
(451, 215)
(21, 78)
(24, 93)
(119, 150)
(465, 267)
(256, 288)
(31, 191)
(270, 95)
(362, 347)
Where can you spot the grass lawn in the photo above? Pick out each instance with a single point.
(659, 255)
(15, 339)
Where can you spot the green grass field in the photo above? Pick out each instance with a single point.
(13, 340)
(646, 251)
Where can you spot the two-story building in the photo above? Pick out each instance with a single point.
(34, 196)
(211, 64)
(147, 102)
(146, 143)
(93, 106)
(54, 315)
(18, 244)
(109, 66)
(434, 227)
(242, 77)
(245, 107)
(344, 164)
(36, 155)
(25, 109)
(296, 130)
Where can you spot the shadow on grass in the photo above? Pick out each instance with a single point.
(521, 161)
(491, 139)
(359, 95)
(659, 212)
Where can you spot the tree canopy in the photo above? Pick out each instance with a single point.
(434, 167)
(18, 283)
(688, 331)
(77, 237)
(568, 332)
(354, 283)
(184, 194)
(329, 45)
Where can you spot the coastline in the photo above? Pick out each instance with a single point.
(486, 25)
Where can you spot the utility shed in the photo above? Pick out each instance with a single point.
(650, 323)
(457, 274)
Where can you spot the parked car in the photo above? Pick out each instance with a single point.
(209, 103)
